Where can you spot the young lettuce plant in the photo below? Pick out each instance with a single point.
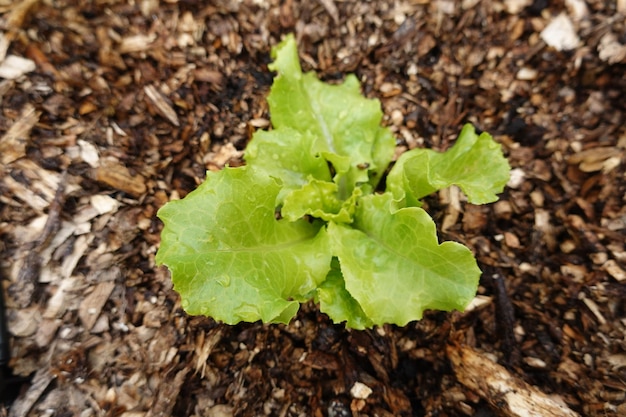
(301, 220)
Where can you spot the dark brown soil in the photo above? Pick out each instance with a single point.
(119, 106)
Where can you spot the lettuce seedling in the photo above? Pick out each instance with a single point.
(302, 220)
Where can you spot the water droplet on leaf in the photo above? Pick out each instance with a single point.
(223, 280)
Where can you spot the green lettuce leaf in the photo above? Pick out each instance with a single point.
(287, 154)
(231, 259)
(475, 164)
(368, 259)
(394, 267)
(337, 302)
(382, 153)
(343, 122)
(320, 199)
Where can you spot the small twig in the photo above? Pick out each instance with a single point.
(22, 290)
(505, 321)
(54, 214)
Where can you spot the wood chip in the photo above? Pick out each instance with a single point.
(507, 394)
(26, 195)
(203, 348)
(17, 14)
(593, 307)
(206, 75)
(168, 389)
(560, 34)
(617, 360)
(119, 340)
(24, 322)
(220, 410)
(15, 66)
(92, 304)
(47, 331)
(535, 363)
(611, 50)
(516, 6)
(13, 142)
(321, 360)
(136, 43)
(526, 74)
(104, 204)
(577, 9)
(360, 391)
(161, 103)
(511, 240)
(40, 383)
(479, 302)
(603, 159)
(119, 177)
(58, 303)
(614, 270)
(4, 46)
(71, 260)
(89, 153)
(331, 8)
(517, 178)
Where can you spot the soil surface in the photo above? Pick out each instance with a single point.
(110, 108)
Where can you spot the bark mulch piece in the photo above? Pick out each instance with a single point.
(112, 108)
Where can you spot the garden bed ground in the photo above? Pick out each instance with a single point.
(111, 108)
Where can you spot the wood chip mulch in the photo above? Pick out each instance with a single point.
(111, 108)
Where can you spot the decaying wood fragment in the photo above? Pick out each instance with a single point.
(603, 159)
(18, 13)
(34, 53)
(506, 393)
(40, 383)
(118, 177)
(129, 349)
(136, 43)
(204, 348)
(22, 290)
(161, 104)
(168, 392)
(331, 8)
(614, 270)
(13, 142)
(611, 49)
(91, 306)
